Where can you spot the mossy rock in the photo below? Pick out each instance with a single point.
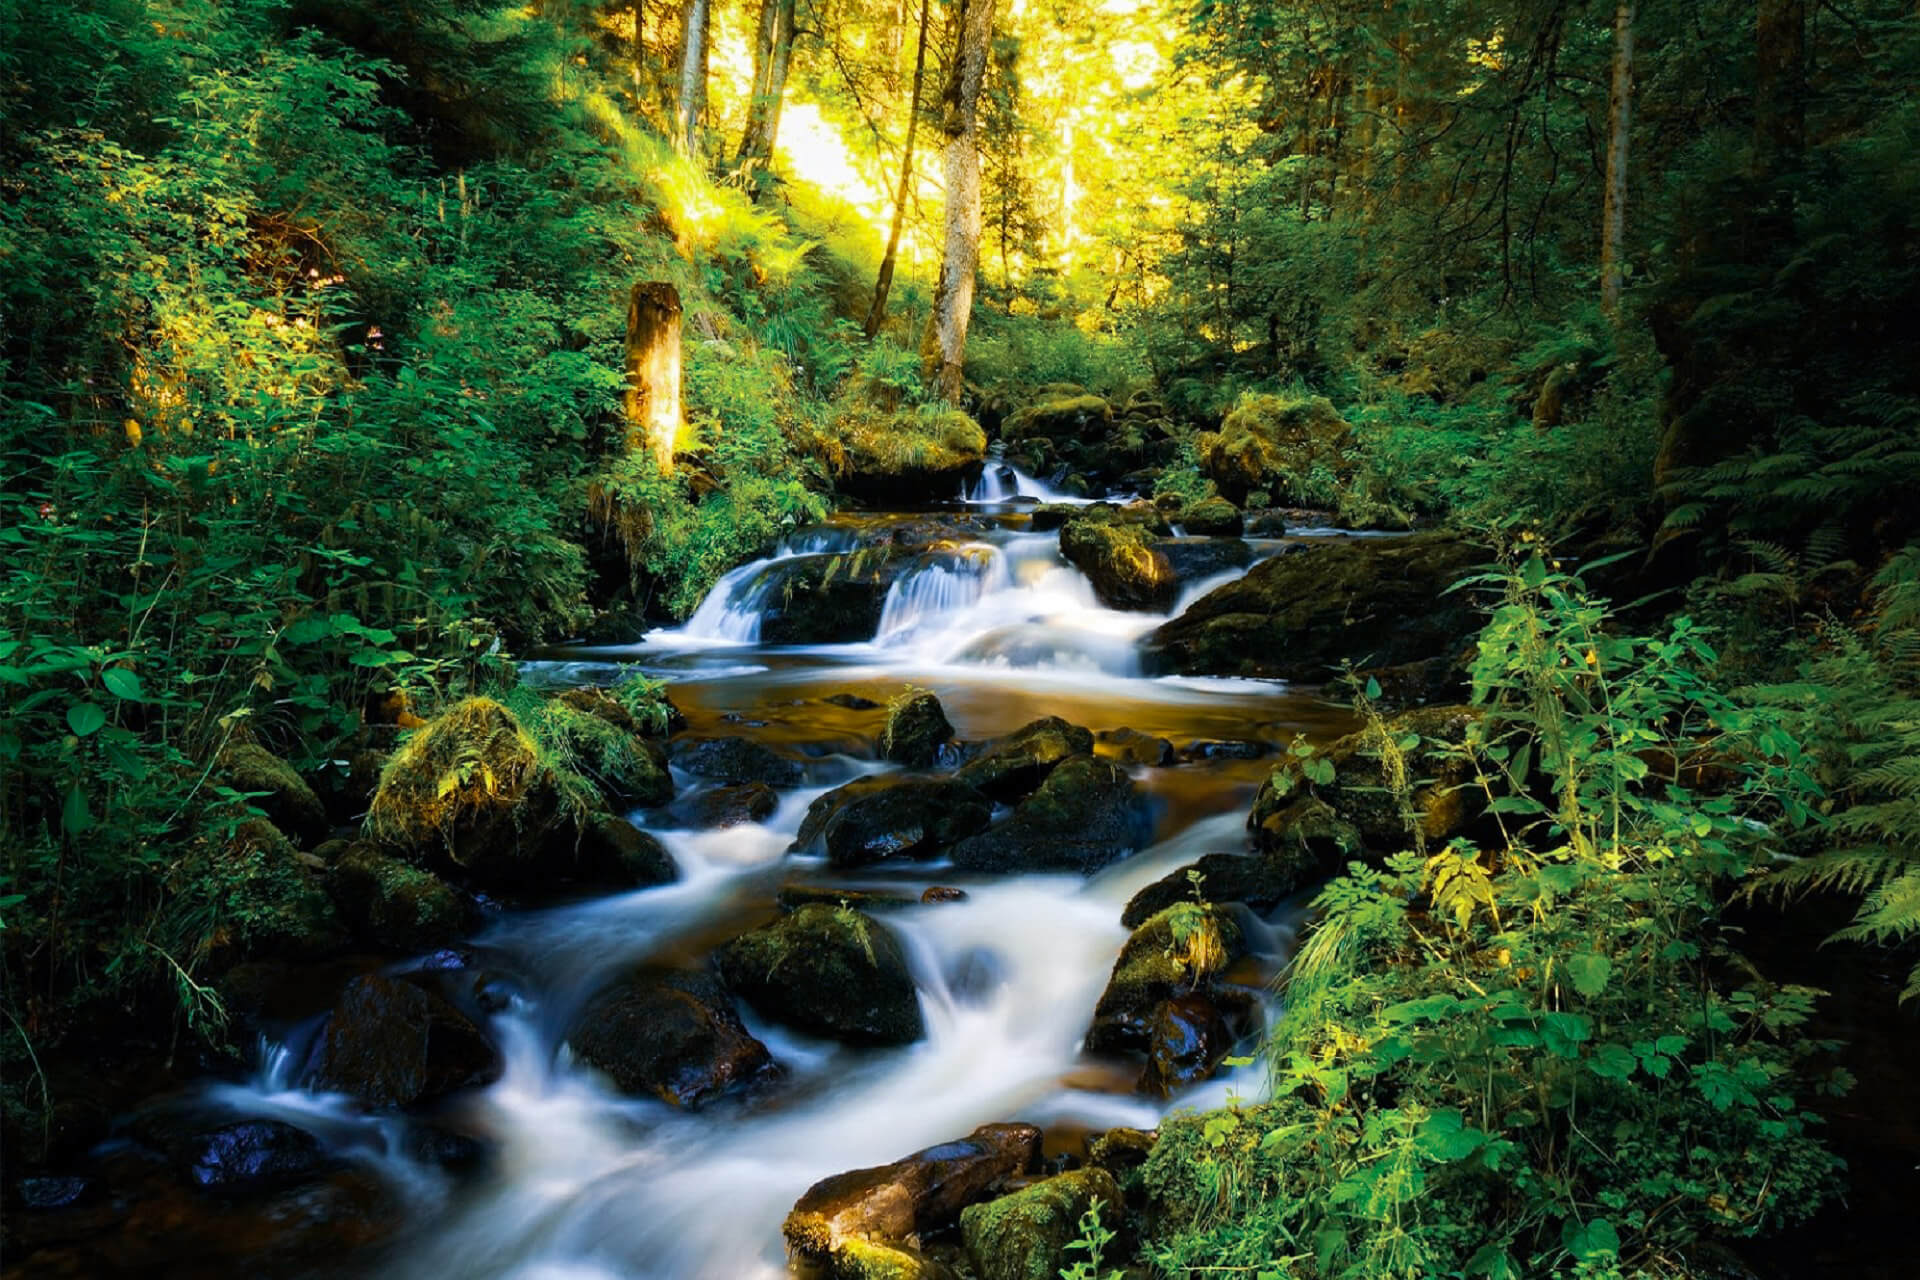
(882, 456)
(917, 729)
(1024, 1236)
(398, 905)
(1085, 815)
(1178, 951)
(610, 852)
(1262, 881)
(609, 751)
(1270, 443)
(837, 599)
(1071, 416)
(736, 760)
(1008, 768)
(1132, 747)
(890, 816)
(1127, 569)
(1212, 518)
(721, 807)
(283, 795)
(669, 1035)
(250, 896)
(1301, 615)
(662, 718)
(828, 971)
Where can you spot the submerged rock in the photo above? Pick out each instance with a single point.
(670, 1035)
(828, 971)
(1300, 615)
(736, 760)
(1024, 1236)
(392, 1044)
(852, 1222)
(1175, 953)
(728, 806)
(1130, 746)
(891, 816)
(1085, 815)
(917, 728)
(1008, 768)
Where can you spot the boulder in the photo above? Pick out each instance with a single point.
(916, 730)
(727, 806)
(1024, 1236)
(852, 702)
(792, 897)
(393, 1044)
(1197, 559)
(612, 853)
(657, 716)
(253, 896)
(1085, 815)
(670, 1035)
(232, 1155)
(835, 599)
(1125, 564)
(395, 904)
(891, 816)
(884, 455)
(1272, 443)
(602, 740)
(1262, 881)
(1072, 417)
(1131, 747)
(736, 760)
(1177, 952)
(1212, 518)
(1014, 766)
(280, 793)
(1299, 616)
(892, 1207)
(828, 971)
(1187, 1037)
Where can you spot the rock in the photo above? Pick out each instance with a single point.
(254, 896)
(614, 854)
(1186, 1039)
(736, 760)
(1212, 518)
(1299, 616)
(891, 816)
(1266, 524)
(1071, 417)
(1197, 559)
(1415, 684)
(1024, 1236)
(283, 795)
(891, 1207)
(396, 904)
(1358, 803)
(1130, 746)
(46, 1193)
(1176, 952)
(1271, 443)
(903, 455)
(942, 893)
(1049, 516)
(1014, 766)
(1121, 1151)
(1223, 749)
(215, 1151)
(673, 1036)
(917, 728)
(828, 971)
(1262, 881)
(852, 702)
(792, 897)
(604, 740)
(836, 599)
(353, 792)
(1128, 570)
(392, 1044)
(1085, 815)
(727, 806)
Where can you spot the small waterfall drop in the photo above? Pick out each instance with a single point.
(943, 585)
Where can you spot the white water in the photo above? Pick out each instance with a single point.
(990, 488)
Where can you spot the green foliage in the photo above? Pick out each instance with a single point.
(1093, 1240)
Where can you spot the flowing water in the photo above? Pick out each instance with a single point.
(588, 1183)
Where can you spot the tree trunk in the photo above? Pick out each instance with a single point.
(883, 283)
(693, 78)
(1613, 214)
(944, 350)
(653, 371)
(772, 56)
(1780, 85)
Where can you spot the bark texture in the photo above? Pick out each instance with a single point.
(944, 351)
(772, 57)
(1613, 215)
(653, 370)
(693, 77)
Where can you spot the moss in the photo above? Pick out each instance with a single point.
(281, 794)
(472, 761)
(1275, 443)
(1071, 415)
(859, 1260)
(1213, 518)
(395, 903)
(1024, 1236)
(254, 895)
(1127, 570)
(917, 727)
(865, 440)
(1175, 951)
(829, 971)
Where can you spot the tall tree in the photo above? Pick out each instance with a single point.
(693, 77)
(772, 56)
(1780, 88)
(944, 349)
(883, 283)
(1613, 215)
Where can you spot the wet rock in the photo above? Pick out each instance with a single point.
(892, 1207)
(828, 971)
(215, 1151)
(1212, 518)
(1197, 559)
(1224, 749)
(1125, 564)
(1186, 1039)
(1269, 441)
(1049, 516)
(280, 793)
(46, 1193)
(1298, 616)
(891, 816)
(1262, 881)
(727, 806)
(353, 792)
(1177, 952)
(1130, 746)
(612, 853)
(736, 760)
(1024, 1236)
(792, 897)
(942, 893)
(1266, 524)
(852, 702)
(673, 1036)
(827, 600)
(1121, 1151)
(396, 904)
(1085, 815)
(917, 728)
(1014, 766)
(392, 1044)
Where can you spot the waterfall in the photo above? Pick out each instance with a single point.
(931, 593)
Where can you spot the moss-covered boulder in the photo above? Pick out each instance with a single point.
(652, 716)
(604, 745)
(1269, 443)
(827, 599)
(1132, 747)
(881, 455)
(868, 1222)
(828, 971)
(1212, 518)
(1179, 951)
(393, 1044)
(670, 1035)
(1008, 768)
(1301, 615)
(917, 729)
(396, 904)
(719, 807)
(891, 816)
(1071, 416)
(251, 895)
(1085, 815)
(1128, 570)
(610, 852)
(736, 760)
(280, 793)
(1024, 1236)
(1262, 881)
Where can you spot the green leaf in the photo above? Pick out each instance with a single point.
(1590, 973)
(1614, 1062)
(1564, 1033)
(123, 684)
(76, 818)
(85, 718)
(1597, 1241)
(1373, 689)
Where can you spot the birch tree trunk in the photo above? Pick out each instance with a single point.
(693, 78)
(1613, 214)
(944, 349)
(653, 371)
(883, 283)
(772, 57)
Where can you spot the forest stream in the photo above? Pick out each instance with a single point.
(583, 1181)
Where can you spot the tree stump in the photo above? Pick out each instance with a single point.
(653, 370)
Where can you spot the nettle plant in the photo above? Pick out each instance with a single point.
(1537, 1054)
